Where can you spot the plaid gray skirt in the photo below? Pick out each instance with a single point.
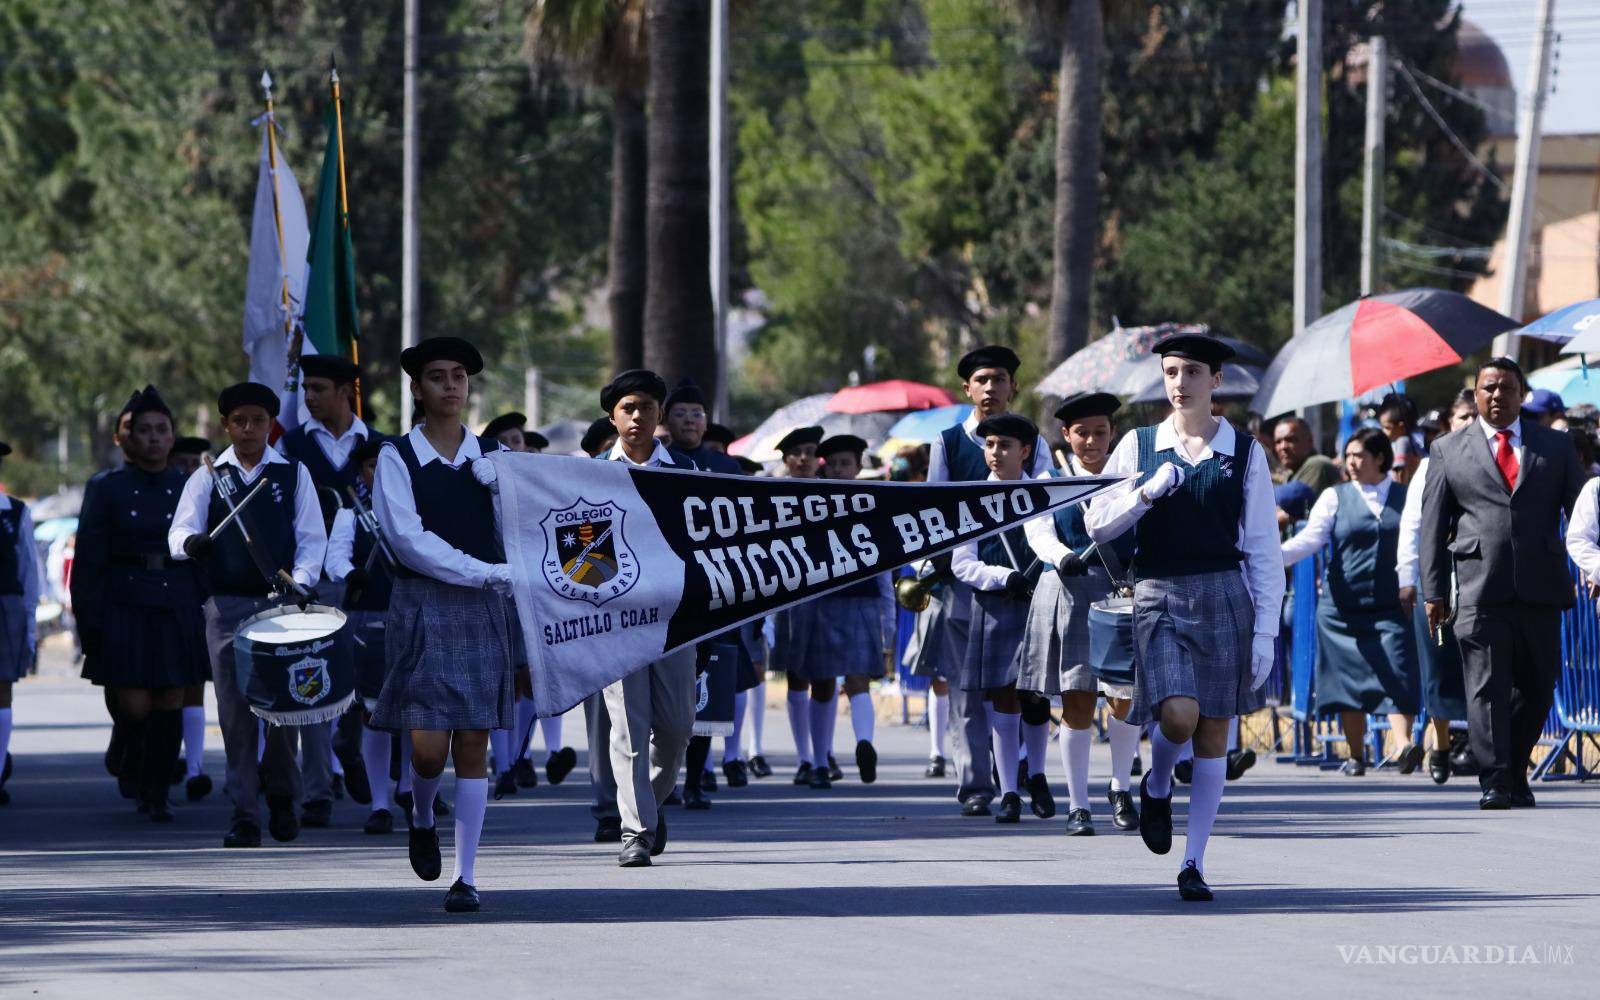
(448, 653)
(835, 637)
(1191, 638)
(1054, 656)
(992, 643)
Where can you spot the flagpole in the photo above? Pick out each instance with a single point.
(277, 221)
(344, 202)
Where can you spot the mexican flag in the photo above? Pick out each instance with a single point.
(330, 317)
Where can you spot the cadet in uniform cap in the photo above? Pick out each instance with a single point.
(511, 430)
(1210, 588)
(188, 454)
(717, 436)
(1054, 657)
(599, 438)
(19, 596)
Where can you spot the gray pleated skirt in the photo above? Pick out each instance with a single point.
(1054, 656)
(448, 654)
(835, 637)
(992, 643)
(1191, 638)
(16, 659)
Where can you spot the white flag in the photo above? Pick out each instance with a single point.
(264, 337)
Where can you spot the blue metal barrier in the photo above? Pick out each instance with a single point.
(1575, 716)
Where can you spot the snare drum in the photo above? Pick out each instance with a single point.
(1111, 640)
(296, 667)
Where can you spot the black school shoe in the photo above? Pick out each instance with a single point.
(1079, 823)
(1183, 771)
(635, 853)
(1123, 815)
(316, 814)
(1353, 767)
(282, 823)
(695, 798)
(1010, 810)
(243, 833)
(734, 771)
(975, 805)
(505, 785)
(462, 898)
(559, 766)
(1409, 759)
(935, 768)
(1040, 800)
(197, 787)
(820, 778)
(866, 761)
(802, 774)
(608, 830)
(759, 767)
(524, 773)
(708, 780)
(424, 851)
(1155, 819)
(1192, 887)
(834, 773)
(380, 822)
(1439, 766)
(1240, 761)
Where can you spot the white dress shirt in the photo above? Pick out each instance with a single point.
(1411, 527)
(336, 446)
(1583, 532)
(341, 544)
(939, 466)
(1119, 509)
(1491, 432)
(421, 550)
(27, 568)
(976, 573)
(310, 541)
(1041, 531)
(1318, 532)
(659, 457)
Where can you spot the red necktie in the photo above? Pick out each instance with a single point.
(1506, 459)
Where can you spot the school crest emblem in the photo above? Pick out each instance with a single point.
(308, 680)
(587, 557)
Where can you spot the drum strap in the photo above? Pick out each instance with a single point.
(235, 487)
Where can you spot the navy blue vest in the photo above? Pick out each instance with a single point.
(1196, 529)
(1074, 535)
(375, 595)
(10, 567)
(1366, 552)
(299, 445)
(962, 458)
(993, 551)
(452, 504)
(270, 519)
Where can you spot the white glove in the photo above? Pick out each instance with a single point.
(1166, 480)
(499, 579)
(484, 472)
(1263, 654)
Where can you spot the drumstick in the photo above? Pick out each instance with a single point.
(227, 498)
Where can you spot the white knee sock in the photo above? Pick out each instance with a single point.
(1003, 726)
(472, 797)
(823, 714)
(550, 729)
(758, 718)
(5, 734)
(194, 739)
(1036, 741)
(423, 791)
(500, 749)
(375, 754)
(863, 716)
(733, 741)
(404, 784)
(524, 731)
(1075, 752)
(799, 704)
(938, 722)
(1205, 795)
(1124, 747)
(1233, 733)
(327, 737)
(1163, 754)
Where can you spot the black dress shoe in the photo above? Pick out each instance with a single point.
(759, 767)
(505, 785)
(197, 787)
(1494, 798)
(462, 898)
(694, 797)
(424, 851)
(243, 834)
(608, 830)
(866, 761)
(1409, 758)
(1464, 764)
(975, 805)
(673, 798)
(834, 773)
(658, 843)
(1010, 810)
(1155, 819)
(1521, 797)
(802, 774)
(336, 786)
(734, 771)
(1191, 887)
(560, 765)
(1183, 771)
(1354, 767)
(356, 783)
(1040, 800)
(524, 773)
(282, 823)
(820, 778)
(1079, 823)
(380, 822)
(708, 780)
(635, 853)
(1123, 815)
(1439, 766)
(316, 814)
(1239, 761)
(935, 768)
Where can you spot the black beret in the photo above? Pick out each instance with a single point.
(1087, 404)
(247, 394)
(718, 433)
(749, 466)
(533, 439)
(5, 449)
(799, 436)
(191, 446)
(634, 381)
(842, 442)
(597, 432)
(685, 392)
(329, 366)
(148, 400)
(989, 356)
(367, 450)
(504, 422)
(127, 407)
(414, 359)
(1011, 425)
(1194, 347)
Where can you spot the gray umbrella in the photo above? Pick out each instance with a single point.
(870, 427)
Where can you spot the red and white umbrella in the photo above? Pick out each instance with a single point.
(895, 394)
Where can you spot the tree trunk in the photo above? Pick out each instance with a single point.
(678, 318)
(627, 256)
(1077, 177)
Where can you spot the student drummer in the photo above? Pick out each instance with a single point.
(285, 524)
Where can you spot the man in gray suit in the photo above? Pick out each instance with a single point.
(1494, 497)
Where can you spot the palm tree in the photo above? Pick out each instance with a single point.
(601, 43)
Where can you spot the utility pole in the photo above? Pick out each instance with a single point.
(408, 207)
(532, 397)
(719, 200)
(1525, 182)
(1372, 182)
(1308, 179)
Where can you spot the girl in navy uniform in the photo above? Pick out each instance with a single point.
(187, 455)
(19, 596)
(138, 610)
(1054, 658)
(808, 721)
(1209, 586)
(448, 634)
(996, 569)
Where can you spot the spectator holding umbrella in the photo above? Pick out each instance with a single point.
(1367, 651)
